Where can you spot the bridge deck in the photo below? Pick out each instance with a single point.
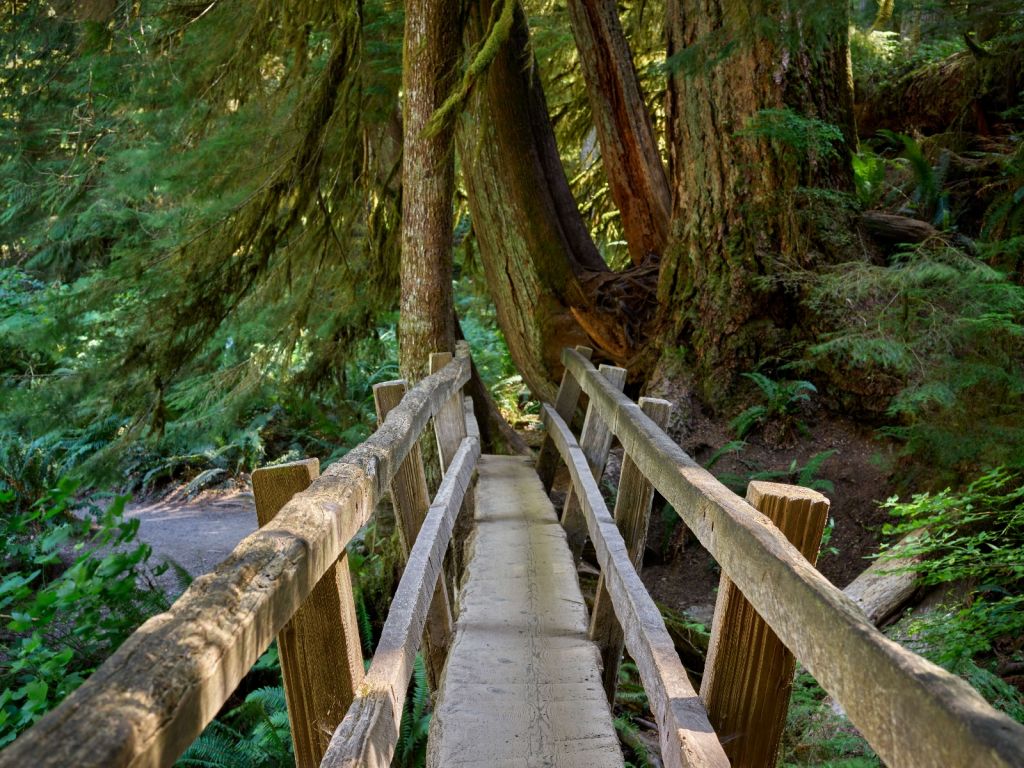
(522, 686)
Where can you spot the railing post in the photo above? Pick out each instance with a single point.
(565, 405)
(411, 500)
(749, 672)
(450, 430)
(632, 515)
(596, 441)
(324, 627)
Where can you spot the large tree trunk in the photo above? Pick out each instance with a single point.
(549, 284)
(431, 50)
(629, 151)
(740, 202)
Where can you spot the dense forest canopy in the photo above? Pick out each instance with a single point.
(222, 222)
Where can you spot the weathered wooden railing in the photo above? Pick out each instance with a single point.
(152, 698)
(912, 712)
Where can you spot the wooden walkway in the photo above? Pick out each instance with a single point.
(521, 668)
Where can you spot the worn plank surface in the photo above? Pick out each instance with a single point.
(633, 517)
(151, 698)
(565, 403)
(368, 734)
(596, 441)
(912, 712)
(748, 674)
(522, 686)
(686, 737)
(324, 627)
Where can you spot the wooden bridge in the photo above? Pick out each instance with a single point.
(522, 675)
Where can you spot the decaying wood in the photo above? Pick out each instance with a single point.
(565, 403)
(885, 586)
(522, 685)
(687, 738)
(596, 441)
(911, 711)
(157, 692)
(411, 499)
(369, 733)
(632, 516)
(748, 674)
(324, 627)
(891, 228)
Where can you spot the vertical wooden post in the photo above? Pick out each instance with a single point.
(450, 430)
(749, 672)
(565, 404)
(411, 499)
(633, 516)
(321, 659)
(596, 441)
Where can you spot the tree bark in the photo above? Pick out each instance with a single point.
(738, 200)
(629, 151)
(431, 50)
(550, 286)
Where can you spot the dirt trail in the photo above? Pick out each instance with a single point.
(196, 533)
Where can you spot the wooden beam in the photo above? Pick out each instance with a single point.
(411, 500)
(632, 516)
(596, 442)
(748, 674)
(324, 627)
(565, 403)
(687, 739)
(369, 733)
(157, 692)
(941, 719)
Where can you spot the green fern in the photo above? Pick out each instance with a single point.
(782, 400)
(411, 750)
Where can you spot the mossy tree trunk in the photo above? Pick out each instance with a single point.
(550, 286)
(747, 207)
(629, 150)
(431, 50)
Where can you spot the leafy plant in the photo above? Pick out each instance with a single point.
(411, 750)
(816, 734)
(868, 176)
(929, 197)
(65, 620)
(973, 537)
(805, 475)
(809, 136)
(782, 399)
(255, 734)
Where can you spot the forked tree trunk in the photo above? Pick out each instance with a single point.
(549, 284)
(740, 202)
(431, 50)
(629, 151)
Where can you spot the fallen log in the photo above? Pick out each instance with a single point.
(886, 585)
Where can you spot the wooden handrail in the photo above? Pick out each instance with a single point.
(155, 694)
(369, 733)
(912, 712)
(687, 738)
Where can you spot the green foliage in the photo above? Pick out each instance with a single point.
(64, 620)
(782, 400)
(411, 750)
(975, 538)
(929, 199)
(951, 329)
(868, 177)
(812, 138)
(805, 475)
(816, 735)
(255, 734)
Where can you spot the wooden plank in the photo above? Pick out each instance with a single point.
(748, 674)
(687, 739)
(449, 431)
(411, 500)
(596, 442)
(157, 692)
(522, 685)
(632, 516)
(324, 627)
(911, 711)
(369, 733)
(565, 403)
